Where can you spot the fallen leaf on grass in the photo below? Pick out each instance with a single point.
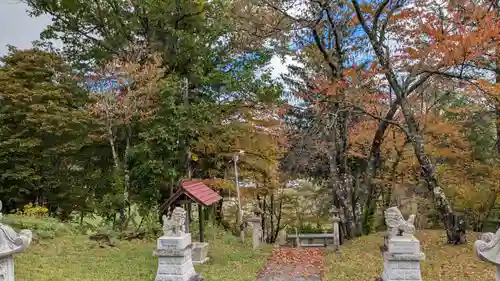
(294, 262)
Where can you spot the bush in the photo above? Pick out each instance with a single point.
(493, 221)
(310, 228)
(42, 227)
(31, 210)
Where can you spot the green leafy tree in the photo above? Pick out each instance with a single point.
(43, 125)
(207, 76)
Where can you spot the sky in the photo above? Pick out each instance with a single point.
(17, 28)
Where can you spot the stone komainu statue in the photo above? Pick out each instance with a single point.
(175, 224)
(396, 224)
(487, 248)
(12, 242)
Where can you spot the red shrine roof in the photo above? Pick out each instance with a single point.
(200, 192)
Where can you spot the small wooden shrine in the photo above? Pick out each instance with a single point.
(198, 192)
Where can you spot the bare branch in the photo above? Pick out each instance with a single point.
(378, 13)
(392, 122)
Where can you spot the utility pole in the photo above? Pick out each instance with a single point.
(240, 211)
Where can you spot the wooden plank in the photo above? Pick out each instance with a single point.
(313, 245)
(311, 235)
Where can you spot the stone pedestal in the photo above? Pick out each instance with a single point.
(402, 259)
(281, 239)
(256, 231)
(199, 252)
(174, 259)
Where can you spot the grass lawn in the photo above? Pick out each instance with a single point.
(75, 258)
(361, 260)
(78, 259)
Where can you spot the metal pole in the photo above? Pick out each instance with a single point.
(240, 213)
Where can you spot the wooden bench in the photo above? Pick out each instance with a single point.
(311, 238)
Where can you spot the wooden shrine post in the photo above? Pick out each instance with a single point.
(201, 221)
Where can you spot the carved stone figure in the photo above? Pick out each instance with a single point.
(401, 249)
(10, 244)
(487, 248)
(396, 224)
(10, 241)
(175, 224)
(175, 250)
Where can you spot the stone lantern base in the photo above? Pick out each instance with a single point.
(199, 253)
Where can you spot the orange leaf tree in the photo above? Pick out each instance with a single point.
(446, 43)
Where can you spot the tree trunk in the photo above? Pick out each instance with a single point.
(278, 218)
(387, 195)
(497, 99)
(264, 221)
(454, 225)
(497, 119)
(126, 175)
(369, 199)
(117, 164)
(358, 214)
(166, 191)
(219, 211)
(342, 191)
(340, 177)
(271, 218)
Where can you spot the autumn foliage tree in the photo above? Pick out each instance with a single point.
(379, 78)
(121, 110)
(425, 60)
(255, 131)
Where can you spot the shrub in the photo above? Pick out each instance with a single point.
(33, 211)
(309, 228)
(42, 227)
(493, 221)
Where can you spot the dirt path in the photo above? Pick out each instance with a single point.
(293, 264)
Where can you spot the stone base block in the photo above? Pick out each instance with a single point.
(402, 275)
(178, 243)
(402, 267)
(197, 277)
(188, 276)
(403, 245)
(202, 261)
(173, 252)
(169, 260)
(178, 269)
(403, 257)
(200, 252)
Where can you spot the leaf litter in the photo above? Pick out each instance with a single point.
(293, 264)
